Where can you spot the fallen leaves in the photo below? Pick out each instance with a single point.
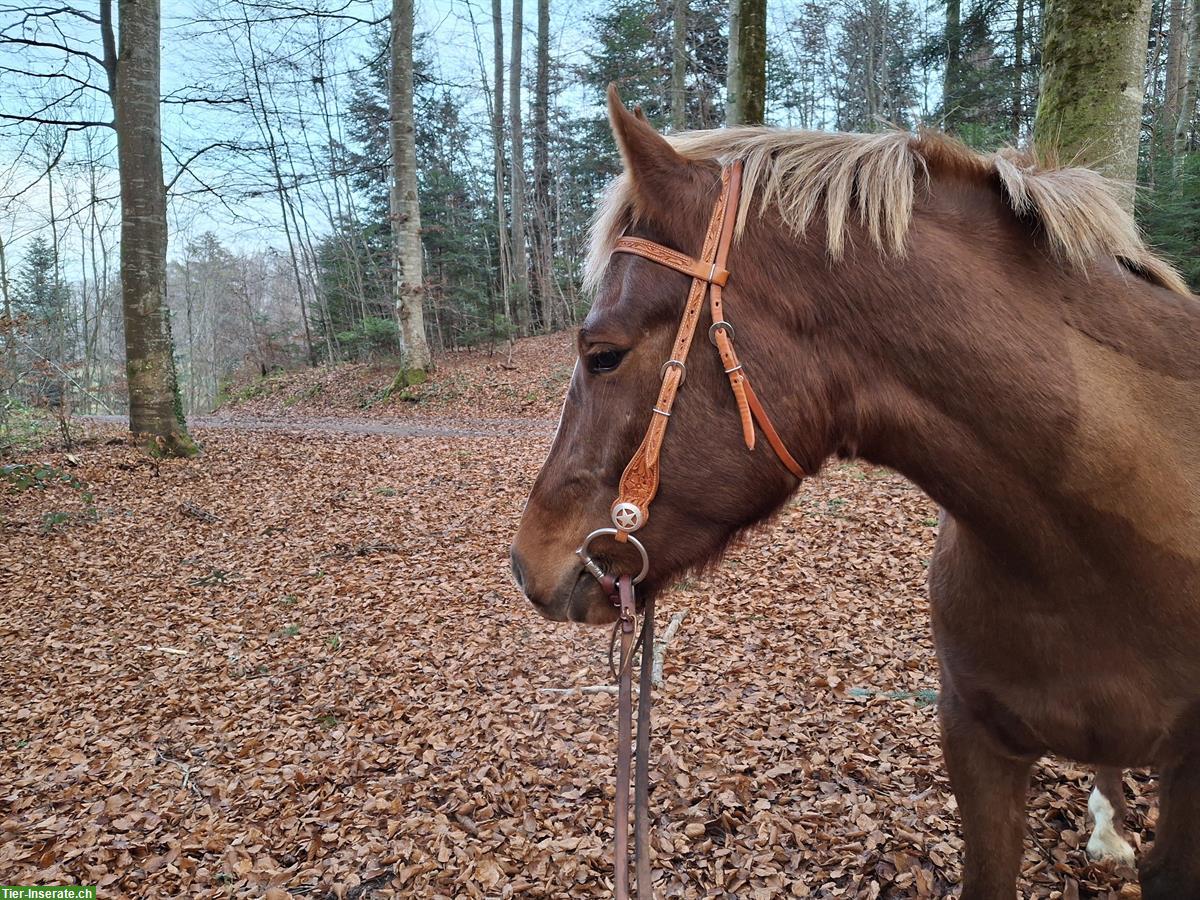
(327, 686)
(525, 380)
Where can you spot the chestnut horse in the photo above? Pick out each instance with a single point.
(995, 331)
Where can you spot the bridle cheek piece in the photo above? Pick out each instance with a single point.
(639, 484)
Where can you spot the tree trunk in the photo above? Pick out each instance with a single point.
(498, 144)
(520, 264)
(543, 240)
(733, 72)
(155, 409)
(1177, 53)
(408, 278)
(952, 82)
(747, 76)
(1018, 85)
(871, 78)
(1187, 94)
(679, 66)
(888, 103)
(10, 335)
(1090, 110)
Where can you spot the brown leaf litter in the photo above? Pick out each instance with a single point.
(297, 667)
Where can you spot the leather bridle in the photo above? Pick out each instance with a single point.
(639, 484)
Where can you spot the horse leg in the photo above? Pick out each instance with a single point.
(1107, 807)
(990, 785)
(1171, 870)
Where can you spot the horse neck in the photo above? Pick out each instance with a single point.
(1005, 386)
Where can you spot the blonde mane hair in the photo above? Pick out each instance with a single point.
(801, 173)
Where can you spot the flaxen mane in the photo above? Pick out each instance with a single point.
(801, 173)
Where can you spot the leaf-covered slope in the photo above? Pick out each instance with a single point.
(529, 381)
(298, 664)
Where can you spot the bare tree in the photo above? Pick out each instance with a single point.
(1176, 78)
(543, 239)
(952, 81)
(498, 147)
(9, 329)
(1018, 72)
(408, 280)
(155, 409)
(520, 261)
(260, 108)
(131, 85)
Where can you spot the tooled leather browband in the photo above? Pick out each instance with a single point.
(639, 482)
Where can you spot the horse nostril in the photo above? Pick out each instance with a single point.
(517, 571)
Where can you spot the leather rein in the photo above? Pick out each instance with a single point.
(639, 484)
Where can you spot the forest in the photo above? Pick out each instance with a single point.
(292, 294)
(276, 144)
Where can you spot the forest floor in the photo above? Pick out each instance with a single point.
(526, 379)
(297, 666)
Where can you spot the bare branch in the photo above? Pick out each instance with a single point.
(183, 165)
(72, 123)
(47, 45)
(48, 75)
(50, 12)
(211, 101)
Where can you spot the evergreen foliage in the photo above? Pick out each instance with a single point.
(325, 293)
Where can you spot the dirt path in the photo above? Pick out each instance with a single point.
(440, 427)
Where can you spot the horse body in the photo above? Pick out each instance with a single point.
(1041, 388)
(1056, 420)
(1058, 426)
(1069, 621)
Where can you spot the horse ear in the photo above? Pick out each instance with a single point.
(659, 174)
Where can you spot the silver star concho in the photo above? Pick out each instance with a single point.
(627, 517)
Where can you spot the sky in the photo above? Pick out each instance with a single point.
(204, 52)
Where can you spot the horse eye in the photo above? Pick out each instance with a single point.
(605, 361)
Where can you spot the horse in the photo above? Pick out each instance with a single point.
(992, 327)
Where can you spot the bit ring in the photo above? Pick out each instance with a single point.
(593, 568)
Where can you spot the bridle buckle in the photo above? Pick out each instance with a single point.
(677, 363)
(715, 327)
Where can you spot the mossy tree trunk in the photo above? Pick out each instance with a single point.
(155, 409)
(9, 329)
(746, 84)
(408, 279)
(1093, 63)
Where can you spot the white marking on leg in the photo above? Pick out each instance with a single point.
(1106, 841)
